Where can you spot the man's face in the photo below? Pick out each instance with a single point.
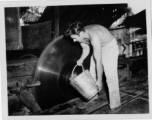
(77, 37)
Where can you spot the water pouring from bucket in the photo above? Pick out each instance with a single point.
(84, 83)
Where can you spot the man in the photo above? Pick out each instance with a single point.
(105, 56)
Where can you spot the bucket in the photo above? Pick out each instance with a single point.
(84, 84)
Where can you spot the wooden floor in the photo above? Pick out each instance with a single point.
(134, 95)
(134, 98)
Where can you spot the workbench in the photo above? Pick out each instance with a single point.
(128, 67)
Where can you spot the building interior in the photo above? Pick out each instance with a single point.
(40, 59)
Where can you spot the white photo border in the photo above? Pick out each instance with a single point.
(3, 73)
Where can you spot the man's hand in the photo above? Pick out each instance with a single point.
(79, 62)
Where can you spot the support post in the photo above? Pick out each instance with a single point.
(56, 21)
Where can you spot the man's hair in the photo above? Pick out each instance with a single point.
(74, 28)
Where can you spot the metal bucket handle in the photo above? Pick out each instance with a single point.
(83, 71)
(75, 67)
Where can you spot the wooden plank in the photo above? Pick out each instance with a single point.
(126, 99)
(137, 106)
(18, 62)
(88, 106)
(145, 96)
(19, 74)
(103, 110)
(11, 83)
(20, 69)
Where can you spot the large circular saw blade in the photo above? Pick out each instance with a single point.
(54, 69)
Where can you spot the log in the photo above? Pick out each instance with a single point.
(28, 99)
(14, 104)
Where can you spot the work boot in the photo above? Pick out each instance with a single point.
(114, 110)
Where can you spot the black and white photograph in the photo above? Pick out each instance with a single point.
(75, 59)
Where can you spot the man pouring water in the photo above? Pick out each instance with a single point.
(105, 56)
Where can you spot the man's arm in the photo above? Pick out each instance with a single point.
(98, 60)
(85, 52)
